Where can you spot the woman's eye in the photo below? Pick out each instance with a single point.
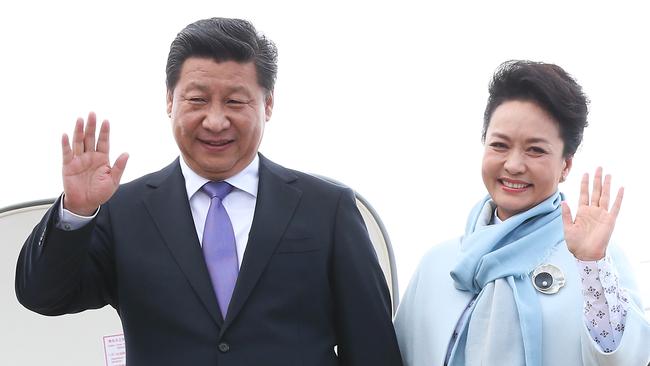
(498, 145)
(537, 150)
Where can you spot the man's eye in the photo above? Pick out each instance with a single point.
(196, 100)
(235, 101)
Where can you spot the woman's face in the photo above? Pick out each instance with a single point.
(522, 161)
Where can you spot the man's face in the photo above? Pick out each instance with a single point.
(218, 112)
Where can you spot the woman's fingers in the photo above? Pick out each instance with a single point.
(604, 197)
(616, 207)
(584, 191)
(600, 196)
(597, 187)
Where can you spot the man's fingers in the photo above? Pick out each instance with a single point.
(118, 168)
(597, 187)
(78, 137)
(103, 141)
(66, 151)
(89, 133)
(616, 207)
(584, 190)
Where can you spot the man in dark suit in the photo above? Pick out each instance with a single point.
(303, 286)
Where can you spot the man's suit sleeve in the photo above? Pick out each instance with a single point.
(61, 272)
(362, 300)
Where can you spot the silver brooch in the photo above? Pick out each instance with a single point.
(548, 279)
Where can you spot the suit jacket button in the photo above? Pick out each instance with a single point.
(224, 347)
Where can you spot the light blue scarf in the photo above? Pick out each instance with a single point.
(510, 251)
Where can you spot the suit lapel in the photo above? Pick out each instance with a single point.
(276, 202)
(168, 205)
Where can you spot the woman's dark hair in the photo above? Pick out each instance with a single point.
(546, 85)
(223, 39)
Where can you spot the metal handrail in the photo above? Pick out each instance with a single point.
(29, 204)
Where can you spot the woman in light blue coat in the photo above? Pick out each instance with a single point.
(528, 283)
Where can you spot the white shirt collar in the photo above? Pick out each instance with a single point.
(247, 180)
(495, 218)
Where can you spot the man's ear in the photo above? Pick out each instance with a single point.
(268, 105)
(170, 102)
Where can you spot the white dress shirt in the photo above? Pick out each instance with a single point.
(239, 204)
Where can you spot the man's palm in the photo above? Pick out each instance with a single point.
(88, 178)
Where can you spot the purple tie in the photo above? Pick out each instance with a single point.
(219, 247)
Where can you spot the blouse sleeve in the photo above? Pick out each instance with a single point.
(605, 303)
(617, 330)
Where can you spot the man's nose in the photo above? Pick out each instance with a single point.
(216, 118)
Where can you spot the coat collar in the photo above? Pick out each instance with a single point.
(168, 205)
(277, 200)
